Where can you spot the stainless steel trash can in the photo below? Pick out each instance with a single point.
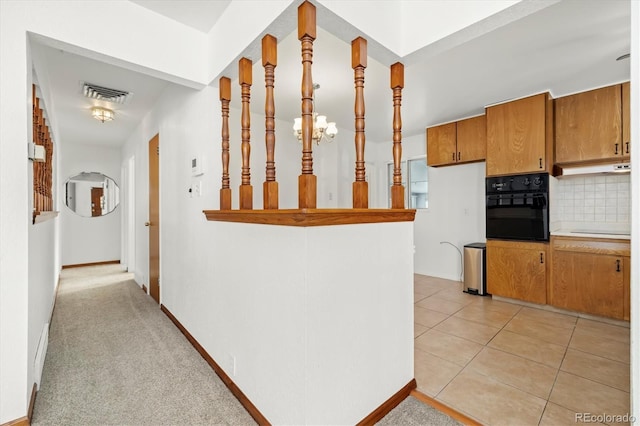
(475, 275)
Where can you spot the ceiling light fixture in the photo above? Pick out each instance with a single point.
(321, 129)
(102, 114)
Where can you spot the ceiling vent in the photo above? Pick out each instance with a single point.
(93, 91)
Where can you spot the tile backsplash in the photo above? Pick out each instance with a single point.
(596, 198)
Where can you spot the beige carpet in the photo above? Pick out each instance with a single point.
(115, 359)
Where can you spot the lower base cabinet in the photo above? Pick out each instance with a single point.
(590, 276)
(517, 270)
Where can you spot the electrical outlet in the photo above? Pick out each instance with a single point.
(198, 189)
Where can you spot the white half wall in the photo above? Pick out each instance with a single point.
(320, 315)
(89, 239)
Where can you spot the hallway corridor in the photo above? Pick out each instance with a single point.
(114, 358)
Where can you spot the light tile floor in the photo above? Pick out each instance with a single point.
(505, 364)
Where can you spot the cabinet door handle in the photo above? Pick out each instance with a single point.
(618, 265)
(453, 156)
(616, 153)
(540, 160)
(541, 258)
(627, 147)
(459, 154)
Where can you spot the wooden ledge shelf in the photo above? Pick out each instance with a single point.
(312, 217)
(39, 217)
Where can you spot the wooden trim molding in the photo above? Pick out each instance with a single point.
(39, 217)
(80, 265)
(22, 421)
(32, 402)
(312, 217)
(235, 390)
(444, 409)
(391, 403)
(55, 299)
(26, 420)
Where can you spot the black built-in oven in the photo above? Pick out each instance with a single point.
(518, 207)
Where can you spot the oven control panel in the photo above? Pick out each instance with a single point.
(536, 182)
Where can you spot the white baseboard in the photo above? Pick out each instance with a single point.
(41, 354)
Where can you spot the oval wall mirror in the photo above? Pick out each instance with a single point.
(91, 194)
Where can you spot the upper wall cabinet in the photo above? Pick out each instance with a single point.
(626, 119)
(519, 136)
(463, 141)
(589, 126)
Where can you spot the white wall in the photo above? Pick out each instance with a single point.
(456, 210)
(43, 277)
(89, 239)
(635, 211)
(15, 211)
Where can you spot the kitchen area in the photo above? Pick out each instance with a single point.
(550, 328)
(557, 185)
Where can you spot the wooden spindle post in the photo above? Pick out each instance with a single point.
(269, 62)
(397, 84)
(36, 118)
(307, 181)
(47, 170)
(245, 80)
(359, 63)
(41, 168)
(225, 98)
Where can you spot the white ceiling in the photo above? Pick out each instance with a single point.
(198, 14)
(567, 47)
(65, 74)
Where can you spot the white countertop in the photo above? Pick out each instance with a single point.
(593, 234)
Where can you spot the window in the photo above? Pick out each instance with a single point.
(417, 191)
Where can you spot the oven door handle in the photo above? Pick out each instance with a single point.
(533, 200)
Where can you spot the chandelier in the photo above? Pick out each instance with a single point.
(322, 131)
(102, 114)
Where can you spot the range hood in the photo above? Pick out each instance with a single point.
(569, 170)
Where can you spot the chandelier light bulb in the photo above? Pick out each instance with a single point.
(322, 130)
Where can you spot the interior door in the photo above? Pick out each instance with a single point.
(96, 201)
(154, 218)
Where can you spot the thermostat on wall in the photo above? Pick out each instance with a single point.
(196, 166)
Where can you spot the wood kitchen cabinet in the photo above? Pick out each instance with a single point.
(463, 141)
(590, 276)
(520, 136)
(517, 270)
(626, 119)
(589, 126)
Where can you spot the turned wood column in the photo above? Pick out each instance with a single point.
(245, 77)
(307, 181)
(359, 63)
(397, 84)
(225, 98)
(269, 62)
